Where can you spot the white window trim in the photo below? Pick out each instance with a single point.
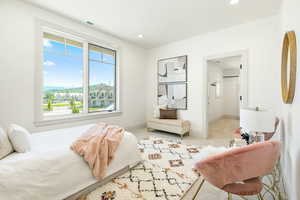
(40, 119)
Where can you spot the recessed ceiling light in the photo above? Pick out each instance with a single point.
(234, 2)
(140, 36)
(89, 22)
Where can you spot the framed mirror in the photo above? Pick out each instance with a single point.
(172, 82)
(173, 95)
(289, 67)
(172, 70)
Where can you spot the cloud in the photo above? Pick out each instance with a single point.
(49, 63)
(47, 43)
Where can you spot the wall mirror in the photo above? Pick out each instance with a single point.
(289, 67)
(172, 82)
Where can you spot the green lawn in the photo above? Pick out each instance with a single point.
(45, 106)
(78, 104)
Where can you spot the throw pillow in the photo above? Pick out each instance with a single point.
(5, 145)
(168, 114)
(156, 113)
(20, 138)
(209, 151)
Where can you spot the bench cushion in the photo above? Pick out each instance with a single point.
(173, 122)
(170, 125)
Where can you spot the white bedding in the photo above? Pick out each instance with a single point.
(52, 171)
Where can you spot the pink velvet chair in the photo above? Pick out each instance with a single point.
(238, 171)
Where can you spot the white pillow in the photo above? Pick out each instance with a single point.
(208, 152)
(5, 145)
(156, 113)
(20, 138)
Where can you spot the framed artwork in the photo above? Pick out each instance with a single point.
(172, 82)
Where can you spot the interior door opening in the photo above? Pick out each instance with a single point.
(224, 95)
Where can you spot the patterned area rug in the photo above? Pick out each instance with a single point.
(166, 174)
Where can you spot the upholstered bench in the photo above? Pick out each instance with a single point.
(177, 126)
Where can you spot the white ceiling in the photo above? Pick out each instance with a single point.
(161, 21)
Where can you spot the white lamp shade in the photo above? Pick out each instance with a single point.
(252, 120)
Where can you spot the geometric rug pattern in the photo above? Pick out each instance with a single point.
(166, 173)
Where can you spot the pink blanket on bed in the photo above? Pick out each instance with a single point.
(98, 145)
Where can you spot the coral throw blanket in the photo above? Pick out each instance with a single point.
(98, 145)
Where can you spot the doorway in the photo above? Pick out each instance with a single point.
(226, 81)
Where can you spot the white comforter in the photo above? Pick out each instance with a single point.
(52, 171)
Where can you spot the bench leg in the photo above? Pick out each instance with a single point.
(149, 129)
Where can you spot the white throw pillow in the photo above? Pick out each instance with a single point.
(20, 138)
(156, 113)
(209, 151)
(5, 145)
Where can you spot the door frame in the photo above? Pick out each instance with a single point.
(244, 77)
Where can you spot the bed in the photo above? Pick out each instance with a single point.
(52, 171)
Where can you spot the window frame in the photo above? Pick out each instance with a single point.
(40, 118)
(115, 81)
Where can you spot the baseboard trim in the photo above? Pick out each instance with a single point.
(137, 126)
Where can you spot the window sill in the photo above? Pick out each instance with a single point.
(48, 121)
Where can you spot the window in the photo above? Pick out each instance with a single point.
(101, 78)
(79, 77)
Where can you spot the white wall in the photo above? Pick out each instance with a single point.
(291, 113)
(17, 65)
(260, 38)
(231, 94)
(215, 104)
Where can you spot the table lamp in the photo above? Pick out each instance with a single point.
(255, 122)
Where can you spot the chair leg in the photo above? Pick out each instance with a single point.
(229, 196)
(260, 197)
(198, 190)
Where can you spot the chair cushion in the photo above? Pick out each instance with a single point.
(248, 187)
(171, 122)
(208, 151)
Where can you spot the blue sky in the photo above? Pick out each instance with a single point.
(67, 72)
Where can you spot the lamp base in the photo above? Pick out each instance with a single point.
(259, 137)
